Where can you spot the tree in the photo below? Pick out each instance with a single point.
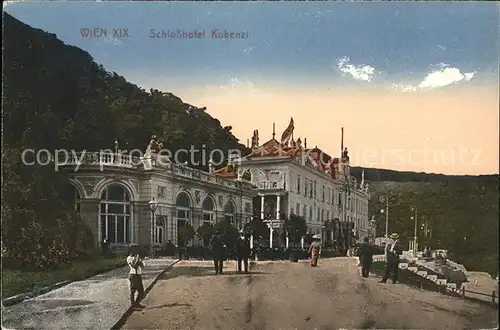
(296, 226)
(257, 228)
(206, 232)
(229, 233)
(186, 234)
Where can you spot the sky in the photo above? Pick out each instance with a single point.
(415, 84)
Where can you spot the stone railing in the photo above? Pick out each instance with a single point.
(98, 159)
(127, 161)
(263, 185)
(189, 172)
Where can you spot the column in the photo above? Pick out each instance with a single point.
(286, 241)
(262, 207)
(251, 241)
(270, 224)
(278, 206)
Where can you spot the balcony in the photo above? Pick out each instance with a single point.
(100, 160)
(271, 185)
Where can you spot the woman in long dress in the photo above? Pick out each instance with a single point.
(315, 251)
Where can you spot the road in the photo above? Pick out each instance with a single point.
(285, 295)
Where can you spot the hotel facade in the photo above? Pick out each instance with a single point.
(115, 192)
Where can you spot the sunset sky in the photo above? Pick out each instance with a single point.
(415, 85)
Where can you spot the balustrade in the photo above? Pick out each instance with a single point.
(128, 161)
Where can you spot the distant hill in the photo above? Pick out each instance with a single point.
(56, 96)
(461, 211)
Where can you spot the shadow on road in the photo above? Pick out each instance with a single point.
(195, 271)
(169, 305)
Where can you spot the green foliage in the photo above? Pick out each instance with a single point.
(296, 226)
(206, 231)
(462, 213)
(258, 228)
(16, 282)
(186, 233)
(229, 233)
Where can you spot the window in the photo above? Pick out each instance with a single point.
(322, 215)
(298, 184)
(298, 208)
(115, 215)
(208, 211)
(315, 189)
(77, 200)
(304, 214)
(229, 213)
(318, 215)
(306, 187)
(327, 215)
(183, 209)
(310, 213)
(323, 193)
(160, 229)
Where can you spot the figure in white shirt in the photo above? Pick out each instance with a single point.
(135, 276)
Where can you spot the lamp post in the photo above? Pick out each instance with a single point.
(153, 205)
(415, 248)
(385, 199)
(373, 227)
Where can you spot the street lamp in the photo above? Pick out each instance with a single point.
(153, 205)
(414, 209)
(385, 199)
(373, 226)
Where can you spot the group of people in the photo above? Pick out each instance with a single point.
(219, 251)
(242, 251)
(393, 251)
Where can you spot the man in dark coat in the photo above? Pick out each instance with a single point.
(242, 252)
(218, 251)
(392, 251)
(365, 254)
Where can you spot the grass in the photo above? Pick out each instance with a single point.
(17, 281)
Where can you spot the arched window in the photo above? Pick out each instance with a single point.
(160, 228)
(208, 210)
(183, 209)
(115, 215)
(229, 213)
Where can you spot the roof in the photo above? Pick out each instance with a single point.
(317, 157)
(273, 148)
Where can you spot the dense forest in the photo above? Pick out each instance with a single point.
(56, 96)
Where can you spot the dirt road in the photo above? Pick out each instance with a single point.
(284, 295)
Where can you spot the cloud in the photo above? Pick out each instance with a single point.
(441, 76)
(358, 72)
(445, 76)
(237, 84)
(405, 88)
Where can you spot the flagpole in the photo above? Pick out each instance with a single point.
(341, 142)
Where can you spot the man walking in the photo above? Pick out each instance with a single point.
(242, 252)
(365, 253)
(393, 251)
(218, 251)
(135, 276)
